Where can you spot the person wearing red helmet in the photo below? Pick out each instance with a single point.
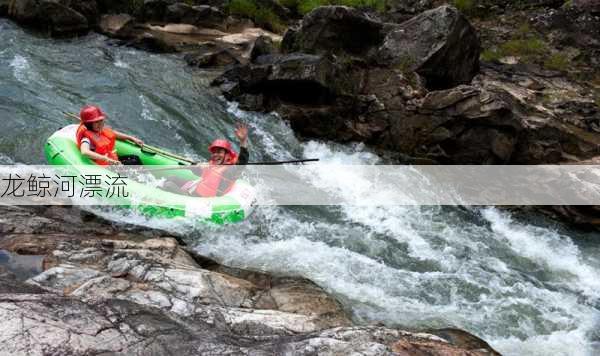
(97, 141)
(217, 176)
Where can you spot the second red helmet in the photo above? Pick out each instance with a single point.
(220, 143)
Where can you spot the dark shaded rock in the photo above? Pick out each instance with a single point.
(201, 16)
(217, 58)
(440, 44)
(152, 43)
(154, 10)
(4, 7)
(262, 46)
(334, 29)
(116, 7)
(591, 6)
(58, 18)
(9, 284)
(87, 8)
(295, 78)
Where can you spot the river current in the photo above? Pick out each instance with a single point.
(527, 286)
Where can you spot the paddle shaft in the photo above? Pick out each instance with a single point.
(247, 164)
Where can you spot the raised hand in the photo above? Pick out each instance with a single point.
(241, 132)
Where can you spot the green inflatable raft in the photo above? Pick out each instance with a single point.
(61, 150)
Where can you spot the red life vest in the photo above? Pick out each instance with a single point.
(103, 142)
(212, 176)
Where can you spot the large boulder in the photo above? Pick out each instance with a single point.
(439, 44)
(296, 78)
(118, 26)
(334, 29)
(262, 46)
(154, 10)
(57, 17)
(201, 16)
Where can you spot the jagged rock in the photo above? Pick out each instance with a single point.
(439, 44)
(218, 58)
(158, 273)
(293, 78)
(119, 26)
(58, 18)
(201, 16)
(47, 324)
(334, 29)
(262, 46)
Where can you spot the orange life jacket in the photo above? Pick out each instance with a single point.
(212, 176)
(103, 142)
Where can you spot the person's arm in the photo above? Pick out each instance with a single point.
(124, 137)
(241, 132)
(86, 151)
(243, 156)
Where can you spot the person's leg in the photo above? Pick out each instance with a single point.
(130, 160)
(174, 184)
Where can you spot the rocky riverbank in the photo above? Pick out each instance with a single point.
(130, 290)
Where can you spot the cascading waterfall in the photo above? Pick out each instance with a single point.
(528, 288)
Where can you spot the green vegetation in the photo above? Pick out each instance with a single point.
(567, 4)
(527, 45)
(557, 61)
(405, 64)
(467, 7)
(490, 55)
(303, 7)
(527, 49)
(262, 16)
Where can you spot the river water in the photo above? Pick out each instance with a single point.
(529, 287)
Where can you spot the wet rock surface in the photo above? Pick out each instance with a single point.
(127, 290)
(57, 18)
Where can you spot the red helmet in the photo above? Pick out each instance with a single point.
(220, 143)
(90, 113)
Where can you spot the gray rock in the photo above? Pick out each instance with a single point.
(58, 18)
(119, 26)
(262, 46)
(440, 44)
(334, 29)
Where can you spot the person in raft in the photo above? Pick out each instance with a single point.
(97, 141)
(218, 176)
